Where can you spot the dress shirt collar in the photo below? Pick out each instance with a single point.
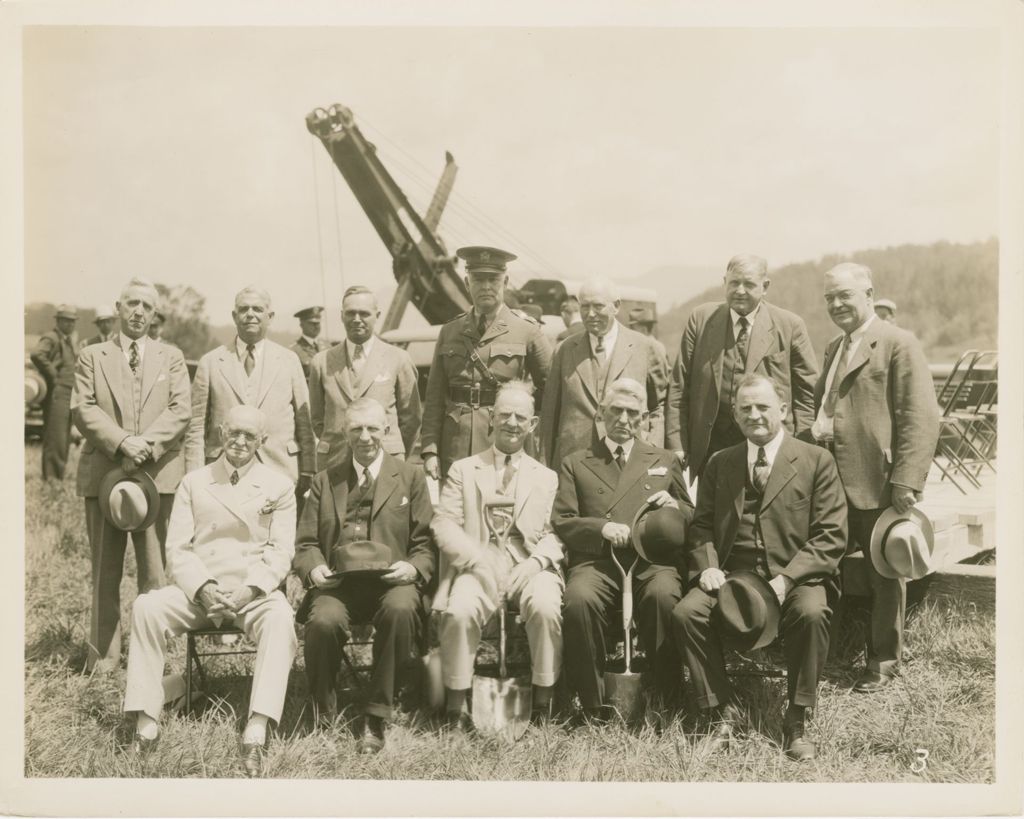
(241, 345)
(243, 470)
(609, 338)
(858, 334)
(375, 466)
(499, 458)
(309, 342)
(350, 348)
(771, 449)
(125, 342)
(613, 445)
(750, 317)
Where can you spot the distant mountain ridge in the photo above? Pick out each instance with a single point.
(947, 294)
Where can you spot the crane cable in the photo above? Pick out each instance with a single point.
(319, 236)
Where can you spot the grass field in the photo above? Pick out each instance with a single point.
(943, 704)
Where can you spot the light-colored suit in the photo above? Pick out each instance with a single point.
(281, 394)
(779, 348)
(241, 535)
(103, 408)
(388, 376)
(472, 570)
(885, 427)
(570, 416)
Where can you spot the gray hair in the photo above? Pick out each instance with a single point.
(365, 405)
(756, 379)
(860, 272)
(516, 387)
(241, 412)
(253, 290)
(625, 386)
(357, 289)
(600, 285)
(140, 283)
(747, 263)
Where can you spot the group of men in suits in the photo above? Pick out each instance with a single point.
(569, 444)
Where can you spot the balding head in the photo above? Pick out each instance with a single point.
(746, 282)
(599, 304)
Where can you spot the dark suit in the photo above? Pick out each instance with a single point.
(54, 357)
(570, 416)
(802, 523)
(400, 518)
(778, 347)
(105, 411)
(591, 492)
(571, 330)
(886, 426)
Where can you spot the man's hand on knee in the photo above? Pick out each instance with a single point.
(521, 574)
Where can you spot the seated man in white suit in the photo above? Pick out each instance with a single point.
(230, 544)
(474, 574)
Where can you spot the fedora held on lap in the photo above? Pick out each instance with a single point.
(748, 612)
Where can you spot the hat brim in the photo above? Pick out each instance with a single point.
(634, 529)
(773, 612)
(143, 479)
(355, 572)
(884, 523)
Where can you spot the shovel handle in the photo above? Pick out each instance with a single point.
(627, 605)
(502, 671)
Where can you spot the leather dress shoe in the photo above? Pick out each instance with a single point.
(871, 681)
(372, 739)
(141, 746)
(795, 744)
(458, 722)
(252, 758)
(722, 728)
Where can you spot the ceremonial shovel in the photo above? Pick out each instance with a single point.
(501, 705)
(622, 691)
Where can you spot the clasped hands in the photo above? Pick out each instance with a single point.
(217, 603)
(617, 534)
(135, 450)
(712, 579)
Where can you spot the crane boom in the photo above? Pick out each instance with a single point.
(425, 272)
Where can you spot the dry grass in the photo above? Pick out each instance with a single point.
(943, 703)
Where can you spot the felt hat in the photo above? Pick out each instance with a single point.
(129, 502)
(361, 557)
(658, 534)
(902, 545)
(888, 304)
(484, 259)
(67, 311)
(309, 312)
(748, 612)
(104, 311)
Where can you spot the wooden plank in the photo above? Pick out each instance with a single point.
(965, 583)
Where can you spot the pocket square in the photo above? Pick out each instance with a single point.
(161, 378)
(658, 470)
(405, 501)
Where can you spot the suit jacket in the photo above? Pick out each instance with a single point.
(886, 421)
(571, 330)
(283, 396)
(242, 535)
(388, 376)
(399, 517)
(54, 357)
(779, 347)
(803, 512)
(459, 527)
(570, 416)
(592, 492)
(98, 407)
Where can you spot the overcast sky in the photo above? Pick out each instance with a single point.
(182, 154)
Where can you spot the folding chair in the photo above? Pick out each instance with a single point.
(967, 435)
(193, 655)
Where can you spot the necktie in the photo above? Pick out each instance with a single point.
(357, 358)
(599, 351)
(741, 343)
(234, 477)
(507, 474)
(837, 378)
(367, 478)
(133, 356)
(620, 457)
(761, 471)
(481, 326)
(250, 359)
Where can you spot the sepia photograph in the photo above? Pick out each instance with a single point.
(558, 413)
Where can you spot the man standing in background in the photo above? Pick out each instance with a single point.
(721, 343)
(54, 357)
(570, 311)
(106, 324)
(309, 343)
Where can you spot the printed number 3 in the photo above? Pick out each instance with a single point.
(920, 763)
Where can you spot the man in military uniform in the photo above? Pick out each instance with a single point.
(477, 352)
(54, 357)
(309, 343)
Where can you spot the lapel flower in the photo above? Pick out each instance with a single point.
(268, 507)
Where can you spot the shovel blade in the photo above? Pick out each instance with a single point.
(502, 706)
(622, 692)
(432, 683)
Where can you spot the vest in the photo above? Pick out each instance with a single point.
(748, 551)
(733, 368)
(133, 397)
(357, 510)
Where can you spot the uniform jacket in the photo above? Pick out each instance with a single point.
(459, 527)
(99, 339)
(570, 417)
(283, 397)
(54, 357)
(886, 421)
(803, 512)
(778, 347)
(305, 351)
(242, 535)
(388, 376)
(513, 347)
(98, 408)
(399, 517)
(592, 491)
